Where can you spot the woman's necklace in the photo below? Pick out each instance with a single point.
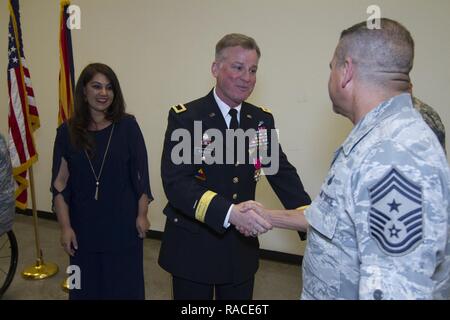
(97, 178)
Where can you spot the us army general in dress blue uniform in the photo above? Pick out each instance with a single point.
(196, 245)
(380, 226)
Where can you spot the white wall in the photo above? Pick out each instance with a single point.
(162, 51)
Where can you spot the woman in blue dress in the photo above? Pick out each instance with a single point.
(101, 190)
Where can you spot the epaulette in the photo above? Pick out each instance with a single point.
(179, 108)
(267, 110)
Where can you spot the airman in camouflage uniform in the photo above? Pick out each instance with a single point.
(379, 228)
(6, 189)
(432, 119)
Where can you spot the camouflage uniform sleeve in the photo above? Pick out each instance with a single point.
(6, 189)
(400, 209)
(286, 183)
(432, 119)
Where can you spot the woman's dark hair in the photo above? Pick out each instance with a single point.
(81, 118)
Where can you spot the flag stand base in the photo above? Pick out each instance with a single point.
(40, 271)
(65, 286)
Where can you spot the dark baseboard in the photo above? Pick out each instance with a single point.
(157, 235)
(41, 214)
(281, 257)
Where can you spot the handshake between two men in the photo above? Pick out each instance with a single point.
(251, 219)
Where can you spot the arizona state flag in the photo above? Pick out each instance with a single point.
(23, 118)
(66, 73)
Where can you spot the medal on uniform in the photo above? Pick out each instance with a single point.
(262, 136)
(253, 145)
(206, 140)
(262, 139)
(204, 150)
(257, 164)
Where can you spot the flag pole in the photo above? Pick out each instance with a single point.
(66, 78)
(40, 270)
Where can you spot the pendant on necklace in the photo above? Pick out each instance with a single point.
(96, 190)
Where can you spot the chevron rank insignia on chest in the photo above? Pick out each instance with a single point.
(395, 215)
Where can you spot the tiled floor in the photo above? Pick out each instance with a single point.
(274, 280)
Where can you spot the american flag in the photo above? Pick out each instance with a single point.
(23, 116)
